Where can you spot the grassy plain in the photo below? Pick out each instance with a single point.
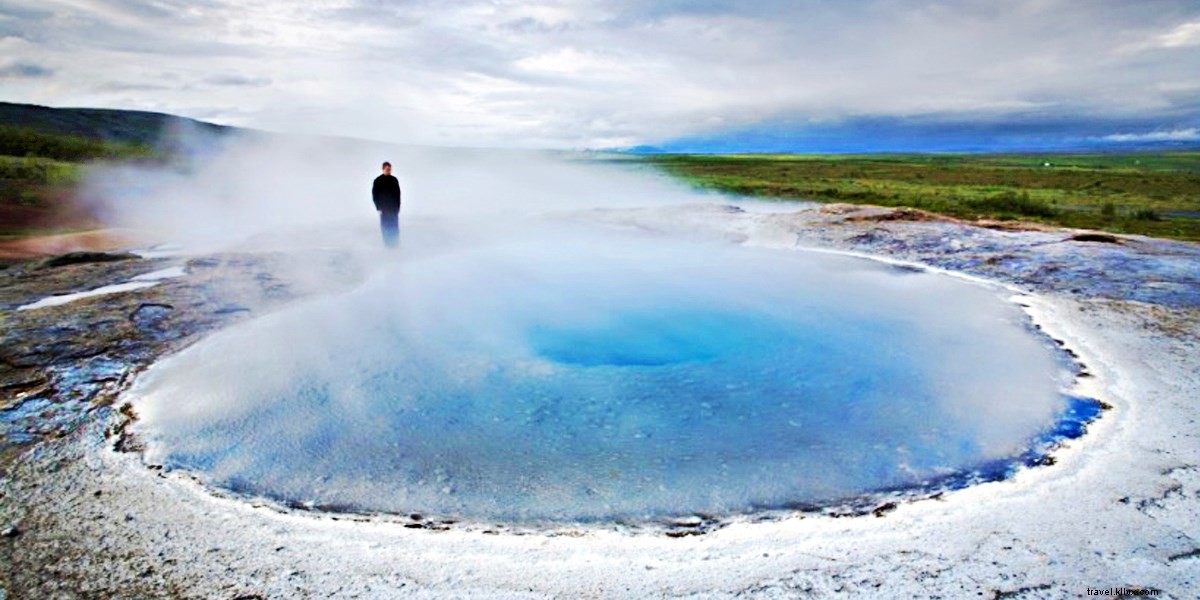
(44, 152)
(39, 174)
(1155, 194)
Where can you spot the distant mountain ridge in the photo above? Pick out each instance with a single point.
(983, 134)
(44, 152)
(112, 125)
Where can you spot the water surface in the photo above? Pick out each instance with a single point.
(576, 376)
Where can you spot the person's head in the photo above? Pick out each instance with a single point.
(387, 168)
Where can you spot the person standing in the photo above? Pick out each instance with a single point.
(386, 194)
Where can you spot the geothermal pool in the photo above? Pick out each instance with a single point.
(582, 377)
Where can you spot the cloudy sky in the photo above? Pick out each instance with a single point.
(591, 73)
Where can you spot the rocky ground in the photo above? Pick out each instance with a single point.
(1118, 509)
(60, 364)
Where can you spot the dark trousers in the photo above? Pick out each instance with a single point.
(389, 225)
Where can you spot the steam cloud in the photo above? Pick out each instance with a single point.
(271, 189)
(518, 360)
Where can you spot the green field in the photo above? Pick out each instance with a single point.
(39, 174)
(1155, 194)
(36, 165)
(44, 152)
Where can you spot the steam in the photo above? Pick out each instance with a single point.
(282, 191)
(518, 359)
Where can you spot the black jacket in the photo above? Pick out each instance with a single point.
(386, 194)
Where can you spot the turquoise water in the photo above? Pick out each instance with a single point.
(575, 378)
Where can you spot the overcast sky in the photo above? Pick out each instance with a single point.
(590, 74)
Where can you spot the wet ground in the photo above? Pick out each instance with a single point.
(59, 364)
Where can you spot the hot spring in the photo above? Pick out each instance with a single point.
(578, 376)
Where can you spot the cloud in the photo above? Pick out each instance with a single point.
(587, 73)
(1191, 134)
(234, 80)
(127, 86)
(1185, 35)
(24, 70)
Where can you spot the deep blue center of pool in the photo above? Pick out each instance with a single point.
(650, 338)
(608, 382)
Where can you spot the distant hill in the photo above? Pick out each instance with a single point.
(123, 126)
(934, 133)
(44, 152)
